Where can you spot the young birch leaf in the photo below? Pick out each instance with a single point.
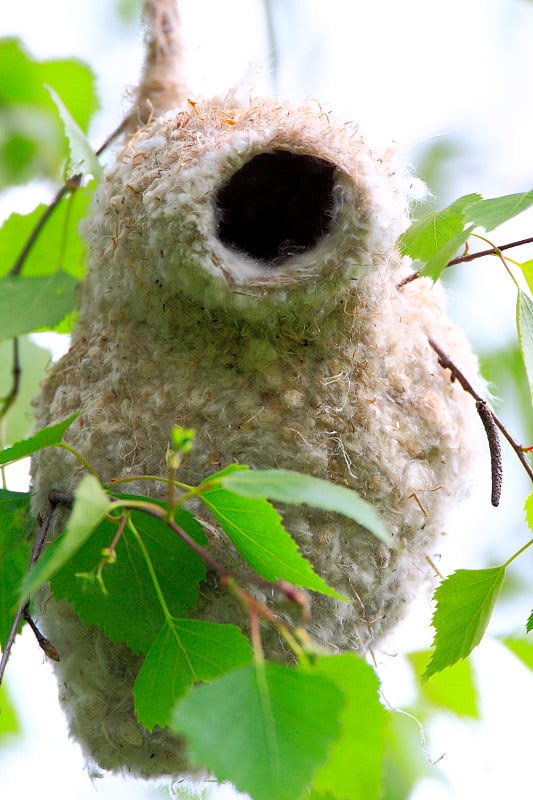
(46, 437)
(354, 768)
(527, 271)
(522, 649)
(295, 488)
(130, 610)
(33, 360)
(529, 623)
(437, 263)
(91, 503)
(283, 720)
(464, 606)
(186, 651)
(33, 303)
(15, 550)
(256, 530)
(425, 238)
(58, 246)
(453, 689)
(524, 323)
(495, 211)
(82, 159)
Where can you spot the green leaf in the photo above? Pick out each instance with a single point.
(30, 304)
(46, 437)
(131, 611)
(464, 606)
(58, 246)
(295, 488)
(524, 324)
(32, 140)
(438, 262)
(256, 530)
(15, 550)
(496, 210)
(82, 159)
(527, 270)
(453, 689)
(9, 725)
(429, 235)
(354, 769)
(283, 720)
(24, 79)
(522, 649)
(529, 623)
(91, 503)
(185, 652)
(19, 421)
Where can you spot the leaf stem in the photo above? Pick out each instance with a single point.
(88, 466)
(518, 553)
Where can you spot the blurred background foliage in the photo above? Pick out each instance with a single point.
(34, 151)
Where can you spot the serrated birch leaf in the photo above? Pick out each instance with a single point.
(33, 303)
(464, 606)
(82, 158)
(438, 262)
(494, 211)
(529, 623)
(46, 437)
(524, 323)
(130, 610)
(255, 528)
(91, 503)
(522, 649)
(453, 689)
(354, 768)
(15, 549)
(186, 651)
(527, 271)
(58, 246)
(427, 237)
(295, 488)
(284, 720)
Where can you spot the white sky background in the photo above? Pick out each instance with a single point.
(407, 71)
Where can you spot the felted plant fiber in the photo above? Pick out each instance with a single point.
(311, 360)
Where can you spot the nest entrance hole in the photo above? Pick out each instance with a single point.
(279, 204)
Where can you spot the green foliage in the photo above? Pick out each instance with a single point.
(58, 248)
(46, 437)
(185, 652)
(283, 719)
(256, 530)
(90, 506)
(354, 768)
(32, 361)
(129, 609)
(453, 689)
(295, 488)
(9, 724)
(32, 138)
(464, 606)
(46, 302)
(437, 237)
(524, 324)
(15, 549)
(522, 649)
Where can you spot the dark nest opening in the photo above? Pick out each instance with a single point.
(279, 204)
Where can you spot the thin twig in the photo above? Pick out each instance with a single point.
(35, 553)
(16, 371)
(492, 251)
(71, 184)
(447, 363)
